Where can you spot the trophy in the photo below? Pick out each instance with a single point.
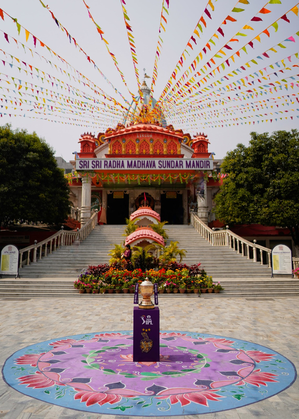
(146, 290)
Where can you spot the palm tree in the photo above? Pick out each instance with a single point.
(142, 258)
(159, 228)
(131, 226)
(171, 252)
(116, 253)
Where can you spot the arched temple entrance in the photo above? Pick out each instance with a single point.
(117, 207)
(172, 209)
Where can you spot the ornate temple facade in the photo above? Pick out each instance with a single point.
(143, 160)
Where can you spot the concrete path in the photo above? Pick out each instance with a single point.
(269, 322)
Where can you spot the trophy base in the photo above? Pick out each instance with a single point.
(146, 306)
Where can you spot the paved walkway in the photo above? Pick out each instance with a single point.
(269, 322)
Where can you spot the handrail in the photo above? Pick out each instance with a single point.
(36, 251)
(245, 248)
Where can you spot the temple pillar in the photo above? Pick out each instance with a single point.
(85, 200)
(202, 204)
(185, 206)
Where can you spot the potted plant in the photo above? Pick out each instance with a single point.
(296, 272)
(210, 285)
(81, 287)
(95, 288)
(88, 288)
(111, 288)
(182, 287)
(218, 287)
(125, 287)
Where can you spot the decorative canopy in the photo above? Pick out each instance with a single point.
(144, 234)
(145, 212)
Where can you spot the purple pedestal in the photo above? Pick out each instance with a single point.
(146, 335)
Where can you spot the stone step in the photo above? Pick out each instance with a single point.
(26, 289)
(70, 261)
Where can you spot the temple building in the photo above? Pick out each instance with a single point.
(143, 159)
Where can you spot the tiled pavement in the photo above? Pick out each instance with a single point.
(272, 323)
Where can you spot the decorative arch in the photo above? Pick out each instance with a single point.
(130, 147)
(116, 148)
(140, 201)
(158, 147)
(172, 148)
(144, 148)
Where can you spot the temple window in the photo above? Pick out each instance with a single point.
(86, 148)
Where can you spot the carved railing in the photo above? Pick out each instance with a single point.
(227, 238)
(38, 250)
(295, 263)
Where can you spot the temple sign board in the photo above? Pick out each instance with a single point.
(281, 260)
(144, 164)
(9, 260)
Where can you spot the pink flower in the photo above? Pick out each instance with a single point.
(63, 342)
(221, 341)
(31, 359)
(258, 378)
(91, 398)
(259, 356)
(37, 380)
(195, 397)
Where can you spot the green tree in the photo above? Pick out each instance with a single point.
(263, 182)
(32, 187)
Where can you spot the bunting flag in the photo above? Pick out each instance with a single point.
(101, 33)
(194, 84)
(72, 41)
(163, 23)
(192, 41)
(131, 41)
(242, 82)
(230, 71)
(53, 81)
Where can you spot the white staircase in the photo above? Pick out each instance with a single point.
(218, 261)
(53, 276)
(70, 261)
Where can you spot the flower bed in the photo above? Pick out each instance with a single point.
(172, 278)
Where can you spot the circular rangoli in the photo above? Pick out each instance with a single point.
(197, 373)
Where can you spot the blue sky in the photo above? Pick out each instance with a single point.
(222, 111)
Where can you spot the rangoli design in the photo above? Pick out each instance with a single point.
(197, 374)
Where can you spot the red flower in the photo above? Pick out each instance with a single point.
(195, 397)
(31, 359)
(258, 378)
(37, 380)
(91, 398)
(259, 356)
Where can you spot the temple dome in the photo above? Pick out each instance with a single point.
(144, 108)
